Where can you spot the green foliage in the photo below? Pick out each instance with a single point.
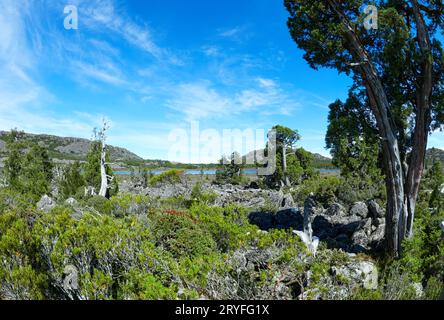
(352, 189)
(299, 162)
(423, 255)
(199, 196)
(325, 190)
(294, 171)
(125, 204)
(128, 247)
(365, 294)
(143, 286)
(383, 100)
(182, 236)
(36, 173)
(91, 172)
(397, 283)
(28, 168)
(433, 289)
(72, 181)
(230, 170)
(393, 49)
(345, 189)
(20, 277)
(433, 183)
(229, 226)
(286, 136)
(421, 261)
(107, 252)
(170, 177)
(99, 204)
(355, 148)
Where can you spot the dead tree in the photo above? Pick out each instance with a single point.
(105, 178)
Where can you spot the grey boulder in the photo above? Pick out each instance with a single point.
(46, 204)
(359, 209)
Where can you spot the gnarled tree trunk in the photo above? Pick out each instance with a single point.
(422, 118)
(402, 187)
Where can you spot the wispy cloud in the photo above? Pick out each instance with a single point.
(211, 50)
(103, 14)
(237, 34)
(107, 73)
(200, 100)
(231, 33)
(116, 56)
(17, 63)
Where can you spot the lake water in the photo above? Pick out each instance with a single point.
(193, 172)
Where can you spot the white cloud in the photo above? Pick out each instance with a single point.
(200, 100)
(17, 65)
(31, 44)
(23, 99)
(108, 73)
(211, 51)
(103, 14)
(266, 83)
(230, 33)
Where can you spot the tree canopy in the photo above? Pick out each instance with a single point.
(398, 81)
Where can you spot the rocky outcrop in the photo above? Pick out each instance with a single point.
(249, 197)
(362, 273)
(246, 264)
(375, 210)
(359, 209)
(46, 204)
(228, 194)
(283, 219)
(359, 229)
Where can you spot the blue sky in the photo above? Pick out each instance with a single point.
(153, 66)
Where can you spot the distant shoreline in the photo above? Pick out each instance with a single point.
(210, 172)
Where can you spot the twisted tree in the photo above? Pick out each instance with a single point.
(397, 69)
(98, 173)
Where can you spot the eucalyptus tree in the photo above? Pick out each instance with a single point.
(397, 67)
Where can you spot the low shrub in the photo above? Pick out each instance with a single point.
(170, 176)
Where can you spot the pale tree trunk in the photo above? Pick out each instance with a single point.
(104, 182)
(104, 178)
(286, 182)
(402, 187)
